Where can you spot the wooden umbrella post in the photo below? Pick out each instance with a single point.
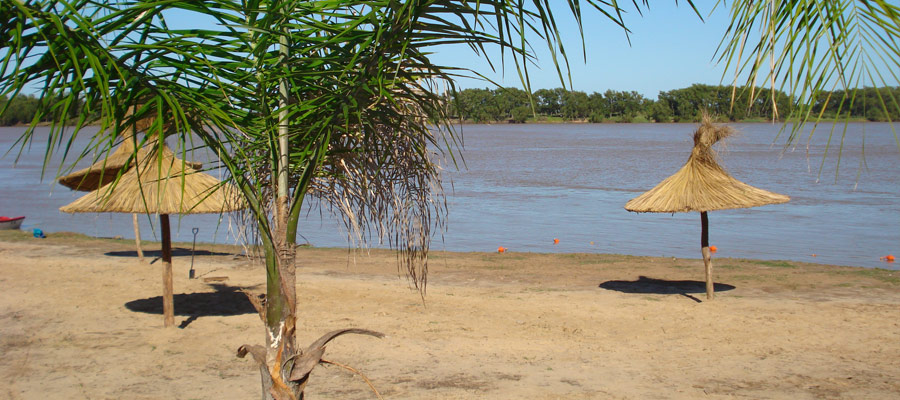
(137, 237)
(707, 260)
(168, 306)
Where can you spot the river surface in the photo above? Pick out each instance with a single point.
(522, 186)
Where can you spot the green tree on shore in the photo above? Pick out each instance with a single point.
(575, 105)
(21, 110)
(678, 105)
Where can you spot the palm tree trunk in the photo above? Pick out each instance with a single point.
(281, 324)
(281, 297)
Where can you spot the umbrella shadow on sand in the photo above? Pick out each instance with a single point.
(225, 301)
(176, 252)
(647, 285)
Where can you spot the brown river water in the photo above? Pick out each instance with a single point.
(522, 186)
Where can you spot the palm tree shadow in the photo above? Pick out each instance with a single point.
(647, 285)
(225, 301)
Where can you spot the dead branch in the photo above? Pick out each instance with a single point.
(258, 353)
(259, 303)
(353, 370)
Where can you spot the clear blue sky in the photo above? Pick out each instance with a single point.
(670, 48)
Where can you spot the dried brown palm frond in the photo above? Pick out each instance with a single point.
(702, 184)
(380, 178)
(160, 184)
(397, 205)
(387, 189)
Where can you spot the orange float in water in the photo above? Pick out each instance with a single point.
(592, 243)
(713, 249)
(501, 249)
(889, 258)
(814, 255)
(555, 241)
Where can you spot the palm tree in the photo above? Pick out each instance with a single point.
(332, 99)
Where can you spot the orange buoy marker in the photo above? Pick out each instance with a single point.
(814, 255)
(501, 249)
(555, 241)
(713, 249)
(592, 243)
(888, 258)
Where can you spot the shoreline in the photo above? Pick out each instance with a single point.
(81, 318)
(150, 245)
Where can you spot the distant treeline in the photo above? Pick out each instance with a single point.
(679, 105)
(22, 109)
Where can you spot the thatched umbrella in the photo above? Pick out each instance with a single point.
(702, 185)
(105, 171)
(161, 184)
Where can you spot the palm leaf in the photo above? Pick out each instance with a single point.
(820, 51)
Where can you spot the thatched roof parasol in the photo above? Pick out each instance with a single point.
(105, 171)
(161, 184)
(702, 185)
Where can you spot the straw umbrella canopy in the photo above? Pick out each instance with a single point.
(703, 185)
(106, 170)
(121, 159)
(161, 184)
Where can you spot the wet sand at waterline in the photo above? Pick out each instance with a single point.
(80, 318)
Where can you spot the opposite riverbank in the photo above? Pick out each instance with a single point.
(79, 319)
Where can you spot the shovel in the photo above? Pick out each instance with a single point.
(193, 246)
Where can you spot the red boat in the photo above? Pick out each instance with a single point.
(11, 223)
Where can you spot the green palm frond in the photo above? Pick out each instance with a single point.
(822, 52)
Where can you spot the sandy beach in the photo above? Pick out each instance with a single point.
(81, 318)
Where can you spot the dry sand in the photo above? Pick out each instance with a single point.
(79, 318)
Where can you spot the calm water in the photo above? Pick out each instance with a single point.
(524, 185)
